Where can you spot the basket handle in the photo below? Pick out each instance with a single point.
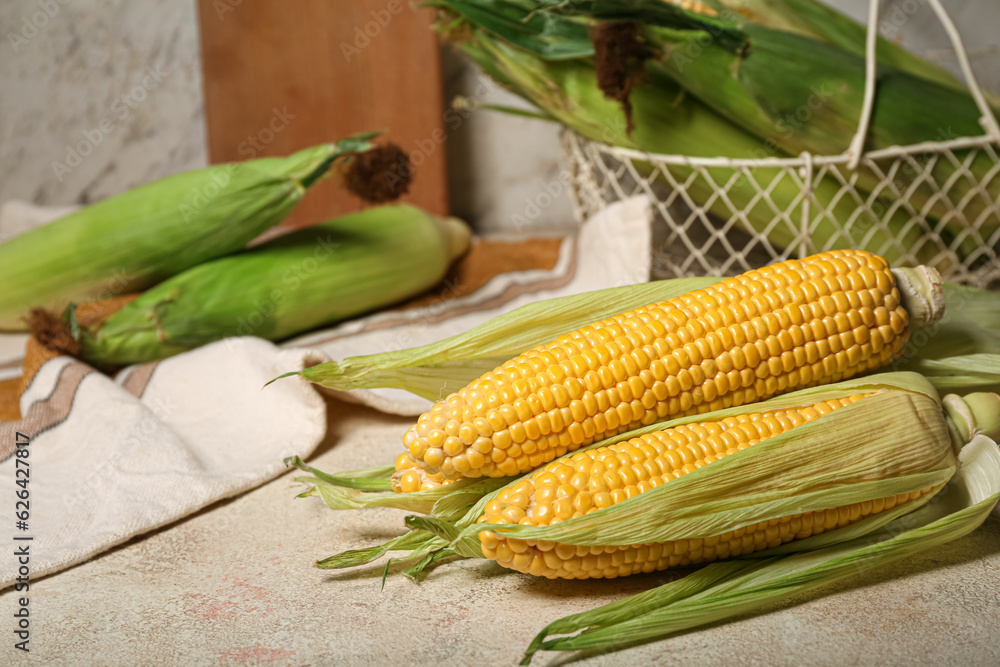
(988, 121)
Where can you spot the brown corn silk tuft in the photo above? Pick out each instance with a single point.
(49, 330)
(783, 327)
(53, 333)
(618, 63)
(380, 175)
(598, 478)
(50, 337)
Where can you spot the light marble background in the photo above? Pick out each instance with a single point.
(90, 61)
(86, 65)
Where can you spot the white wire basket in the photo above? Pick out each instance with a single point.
(689, 240)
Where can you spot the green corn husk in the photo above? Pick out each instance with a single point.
(945, 352)
(297, 282)
(839, 459)
(140, 237)
(768, 80)
(668, 121)
(819, 21)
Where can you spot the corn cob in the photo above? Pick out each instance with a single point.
(846, 546)
(297, 282)
(877, 461)
(682, 119)
(138, 238)
(598, 478)
(744, 339)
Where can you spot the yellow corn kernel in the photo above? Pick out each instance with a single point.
(410, 478)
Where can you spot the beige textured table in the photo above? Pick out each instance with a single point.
(234, 585)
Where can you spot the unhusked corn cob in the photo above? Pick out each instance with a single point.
(592, 480)
(308, 278)
(788, 326)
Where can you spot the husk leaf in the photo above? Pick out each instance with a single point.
(343, 498)
(819, 21)
(368, 479)
(415, 542)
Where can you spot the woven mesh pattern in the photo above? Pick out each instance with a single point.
(690, 240)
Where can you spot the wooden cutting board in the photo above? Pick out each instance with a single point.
(281, 76)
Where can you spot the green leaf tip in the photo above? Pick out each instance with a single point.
(70, 317)
(385, 574)
(284, 375)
